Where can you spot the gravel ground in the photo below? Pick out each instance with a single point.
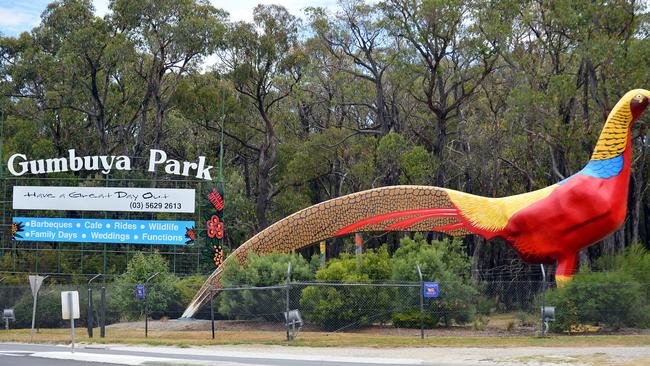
(237, 325)
(244, 325)
(517, 356)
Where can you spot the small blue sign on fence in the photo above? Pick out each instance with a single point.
(139, 291)
(430, 289)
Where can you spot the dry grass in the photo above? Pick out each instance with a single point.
(316, 339)
(594, 360)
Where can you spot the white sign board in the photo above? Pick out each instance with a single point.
(65, 304)
(35, 283)
(104, 199)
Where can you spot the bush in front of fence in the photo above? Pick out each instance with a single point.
(443, 261)
(48, 314)
(411, 319)
(635, 261)
(333, 307)
(160, 291)
(260, 271)
(611, 300)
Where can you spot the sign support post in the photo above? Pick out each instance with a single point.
(542, 328)
(146, 308)
(71, 310)
(323, 253)
(90, 307)
(35, 283)
(421, 303)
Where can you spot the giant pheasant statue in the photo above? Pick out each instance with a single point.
(544, 226)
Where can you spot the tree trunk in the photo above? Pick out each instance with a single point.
(439, 148)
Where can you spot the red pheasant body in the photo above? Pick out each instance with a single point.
(578, 213)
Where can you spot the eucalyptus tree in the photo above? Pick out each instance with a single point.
(93, 59)
(264, 61)
(455, 57)
(69, 70)
(356, 33)
(171, 37)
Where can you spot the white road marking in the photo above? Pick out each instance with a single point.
(15, 353)
(124, 359)
(279, 356)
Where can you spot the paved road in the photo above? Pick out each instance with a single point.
(101, 355)
(26, 354)
(23, 359)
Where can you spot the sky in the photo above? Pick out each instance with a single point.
(18, 16)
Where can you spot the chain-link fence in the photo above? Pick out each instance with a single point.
(324, 307)
(496, 308)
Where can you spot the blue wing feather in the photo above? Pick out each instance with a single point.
(601, 168)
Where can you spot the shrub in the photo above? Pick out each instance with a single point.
(160, 292)
(338, 306)
(526, 319)
(635, 261)
(445, 262)
(48, 311)
(411, 319)
(185, 289)
(260, 271)
(612, 300)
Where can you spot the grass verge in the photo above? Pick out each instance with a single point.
(314, 339)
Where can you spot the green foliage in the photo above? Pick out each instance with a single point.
(371, 266)
(634, 261)
(411, 319)
(184, 290)
(333, 307)
(260, 271)
(612, 300)
(48, 313)
(160, 291)
(442, 261)
(265, 270)
(413, 164)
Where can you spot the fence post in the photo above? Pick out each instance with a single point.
(89, 324)
(90, 307)
(542, 331)
(102, 321)
(421, 302)
(286, 314)
(146, 316)
(212, 309)
(146, 308)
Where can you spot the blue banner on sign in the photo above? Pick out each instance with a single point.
(139, 291)
(101, 231)
(430, 289)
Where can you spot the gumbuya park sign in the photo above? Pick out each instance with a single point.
(116, 199)
(18, 164)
